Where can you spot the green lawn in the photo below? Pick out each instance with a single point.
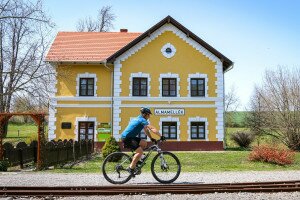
(196, 162)
(21, 132)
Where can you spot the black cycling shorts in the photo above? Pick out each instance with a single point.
(131, 143)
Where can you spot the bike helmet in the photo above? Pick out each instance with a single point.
(145, 110)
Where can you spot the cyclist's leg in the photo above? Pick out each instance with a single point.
(143, 144)
(136, 157)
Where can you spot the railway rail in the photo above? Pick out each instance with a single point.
(41, 191)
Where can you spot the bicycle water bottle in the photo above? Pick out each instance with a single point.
(142, 157)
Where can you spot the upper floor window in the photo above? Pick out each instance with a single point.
(169, 130)
(86, 87)
(197, 130)
(139, 86)
(169, 87)
(197, 87)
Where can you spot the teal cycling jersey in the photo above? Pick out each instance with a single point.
(135, 127)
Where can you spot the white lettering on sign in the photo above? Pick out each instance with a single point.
(166, 111)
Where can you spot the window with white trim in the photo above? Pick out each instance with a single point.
(197, 130)
(169, 87)
(86, 86)
(169, 130)
(139, 86)
(197, 87)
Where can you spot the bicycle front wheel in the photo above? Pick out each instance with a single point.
(165, 167)
(115, 166)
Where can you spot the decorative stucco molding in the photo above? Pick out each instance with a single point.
(169, 75)
(116, 102)
(165, 48)
(86, 75)
(197, 119)
(52, 119)
(139, 75)
(170, 119)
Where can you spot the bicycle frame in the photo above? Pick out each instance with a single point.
(150, 149)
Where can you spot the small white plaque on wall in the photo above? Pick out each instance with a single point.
(168, 111)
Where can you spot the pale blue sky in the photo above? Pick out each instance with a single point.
(256, 35)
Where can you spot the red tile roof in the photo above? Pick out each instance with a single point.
(88, 46)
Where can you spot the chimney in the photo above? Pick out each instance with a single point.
(123, 30)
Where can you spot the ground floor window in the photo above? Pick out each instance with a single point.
(142, 135)
(169, 130)
(86, 130)
(197, 130)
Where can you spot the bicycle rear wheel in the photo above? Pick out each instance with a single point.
(115, 166)
(165, 167)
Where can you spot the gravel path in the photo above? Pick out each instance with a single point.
(60, 179)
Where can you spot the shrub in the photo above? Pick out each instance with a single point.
(243, 139)
(110, 146)
(4, 164)
(273, 155)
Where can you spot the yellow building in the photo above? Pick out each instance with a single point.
(104, 78)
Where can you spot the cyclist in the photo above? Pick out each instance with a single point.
(130, 139)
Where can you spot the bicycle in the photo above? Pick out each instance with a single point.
(165, 166)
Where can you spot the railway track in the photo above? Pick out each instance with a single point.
(268, 187)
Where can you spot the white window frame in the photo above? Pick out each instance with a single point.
(86, 75)
(168, 55)
(169, 75)
(197, 75)
(170, 119)
(139, 75)
(197, 119)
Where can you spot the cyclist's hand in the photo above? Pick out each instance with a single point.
(162, 138)
(153, 140)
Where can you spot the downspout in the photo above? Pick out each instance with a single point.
(112, 95)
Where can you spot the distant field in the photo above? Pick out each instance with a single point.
(21, 132)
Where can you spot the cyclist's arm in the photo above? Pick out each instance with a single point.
(152, 129)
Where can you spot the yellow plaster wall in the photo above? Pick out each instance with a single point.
(67, 74)
(69, 115)
(209, 113)
(186, 60)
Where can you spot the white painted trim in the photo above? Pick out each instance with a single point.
(139, 75)
(81, 98)
(176, 31)
(85, 119)
(198, 75)
(116, 103)
(220, 104)
(170, 119)
(86, 75)
(52, 119)
(69, 98)
(168, 55)
(148, 99)
(197, 119)
(169, 105)
(169, 75)
(83, 106)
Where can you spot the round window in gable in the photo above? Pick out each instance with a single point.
(168, 50)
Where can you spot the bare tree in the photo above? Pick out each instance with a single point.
(103, 23)
(232, 102)
(275, 106)
(24, 39)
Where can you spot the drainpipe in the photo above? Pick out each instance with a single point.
(112, 96)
